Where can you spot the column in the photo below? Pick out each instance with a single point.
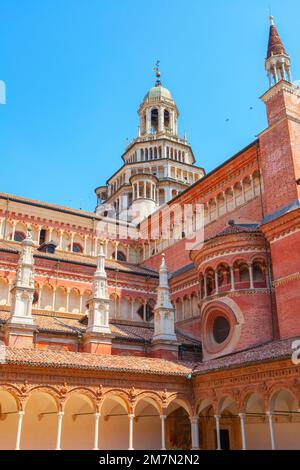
(60, 415)
(233, 197)
(8, 292)
(85, 244)
(68, 299)
(61, 233)
(80, 302)
(144, 310)
(160, 119)
(242, 419)
(163, 432)
(39, 234)
(13, 230)
(1, 228)
(251, 276)
(216, 282)
(148, 121)
(252, 186)
(243, 191)
(39, 299)
(53, 299)
(96, 433)
(195, 432)
(271, 426)
(232, 278)
(217, 418)
(132, 311)
(19, 429)
(205, 286)
(72, 241)
(50, 234)
(131, 418)
(225, 201)
(116, 249)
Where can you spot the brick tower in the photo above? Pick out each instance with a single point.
(280, 167)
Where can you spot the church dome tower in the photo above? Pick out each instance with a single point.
(158, 163)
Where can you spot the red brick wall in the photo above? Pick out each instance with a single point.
(177, 255)
(286, 268)
(280, 151)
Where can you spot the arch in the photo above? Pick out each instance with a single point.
(61, 299)
(147, 425)
(77, 247)
(154, 119)
(178, 400)
(227, 402)
(46, 301)
(121, 256)
(114, 305)
(283, 399)
(9, 407)
(19, 236)
(40, 420)
(253, 402)
(74, 300)
(178, 426)
(152, 398)
(114, 420)
(224, 277)
(78, 421)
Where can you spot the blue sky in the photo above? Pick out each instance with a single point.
(77, 70)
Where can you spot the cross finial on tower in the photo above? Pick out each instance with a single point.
(157, 72)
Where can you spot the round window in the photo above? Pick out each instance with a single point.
(221, 329)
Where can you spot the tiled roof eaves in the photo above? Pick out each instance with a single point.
(257, 355)
(184, 269)
(110, 367)
(93, 265)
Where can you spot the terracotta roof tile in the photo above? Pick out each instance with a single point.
(74, 326)
(83, 259)
(264, 353)
(275, 46)
(71, 360)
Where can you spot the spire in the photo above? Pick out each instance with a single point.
(275, 46)
(163, 292)
(98, 321)
(23, 289)
(164, 321)
(277, 63)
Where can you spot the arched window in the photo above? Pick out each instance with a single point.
(19, 236)
(244, 273)
(167, 118)
(77, 248)
(257, 272)
(154, 119)
(149, 312)
(121, 256)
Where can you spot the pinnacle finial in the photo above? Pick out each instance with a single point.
(272, 20)
(157, 72)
